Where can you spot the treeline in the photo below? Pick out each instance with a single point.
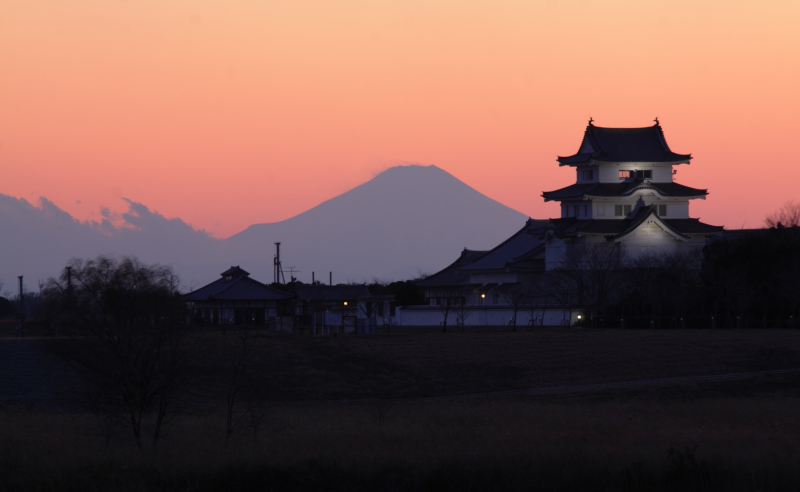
(129, 330)
(748, 281)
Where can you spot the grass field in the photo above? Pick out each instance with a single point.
(435, 364)
(732, 435)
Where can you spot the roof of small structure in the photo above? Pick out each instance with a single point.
(450, 275)
(233, 271)
(623, 145)
(333, 293)
(622, 189)
(517, 246)
(238, 288)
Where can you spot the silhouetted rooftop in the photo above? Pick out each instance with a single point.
(622, 189)
(570, 226)
(512, 248)
(450, 275)
(240, 288)
(623, 145)
(234, 271)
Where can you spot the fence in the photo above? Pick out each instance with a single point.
(691, 322)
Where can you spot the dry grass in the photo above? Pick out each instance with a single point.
(434, 364)
(746, 433)
(455, 445)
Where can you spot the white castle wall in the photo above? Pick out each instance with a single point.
(484, 316)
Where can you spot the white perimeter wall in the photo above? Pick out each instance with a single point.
(410, 316)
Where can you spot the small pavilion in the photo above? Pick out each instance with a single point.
(237, 299)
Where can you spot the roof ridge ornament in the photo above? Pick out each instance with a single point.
(656, 120)
(591, 121)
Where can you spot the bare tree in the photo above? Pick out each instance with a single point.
(129, 331)
(588, 274)
(239, 347)
(534, 301)
(516, 297)
(463, 312)
(786, 216)
(447, 306)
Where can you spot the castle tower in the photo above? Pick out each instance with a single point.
(625, 192)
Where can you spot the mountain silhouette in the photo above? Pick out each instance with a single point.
(406, 220)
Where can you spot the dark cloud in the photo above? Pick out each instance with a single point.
(39, 240)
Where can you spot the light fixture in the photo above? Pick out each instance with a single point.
(483, 296)
(345, 303)
(579, 316)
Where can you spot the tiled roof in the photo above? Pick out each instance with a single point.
(450, 275)
(234, 271)
(571, 226)
(240, 288)
(624, 145)
(622, 189)
(321, 292)
(691, 226)
(514, 247)
(532, 260)
(530, 264)
(638, 218)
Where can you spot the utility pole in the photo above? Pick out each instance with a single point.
(21, 307)
(276, 263)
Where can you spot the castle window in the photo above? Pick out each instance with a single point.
(587, 174)
(662, 210)
(639, 174)
(622, 210)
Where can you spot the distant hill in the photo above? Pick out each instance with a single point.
(38, 241)
(405, 220)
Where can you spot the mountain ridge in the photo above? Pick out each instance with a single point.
(433, 215)
(404, 220)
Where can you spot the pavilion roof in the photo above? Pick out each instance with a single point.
(234, 271)
(623, 145)
(239, 288)
(623, 189)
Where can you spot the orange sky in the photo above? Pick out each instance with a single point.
(228, 113)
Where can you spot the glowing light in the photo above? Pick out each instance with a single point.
(345, 303)
(483, 296)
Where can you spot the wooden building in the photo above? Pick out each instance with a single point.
(238, 299)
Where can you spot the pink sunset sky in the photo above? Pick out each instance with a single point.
(229, 113)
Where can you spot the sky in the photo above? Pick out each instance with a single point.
(230, 113)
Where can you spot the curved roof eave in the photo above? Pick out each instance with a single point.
(666, 227)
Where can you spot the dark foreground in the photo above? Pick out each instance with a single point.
(730, 435)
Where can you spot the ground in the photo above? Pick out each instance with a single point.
(741, 434)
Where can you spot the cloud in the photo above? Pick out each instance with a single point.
(37, 241)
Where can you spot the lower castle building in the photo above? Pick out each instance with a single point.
(625, 200)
